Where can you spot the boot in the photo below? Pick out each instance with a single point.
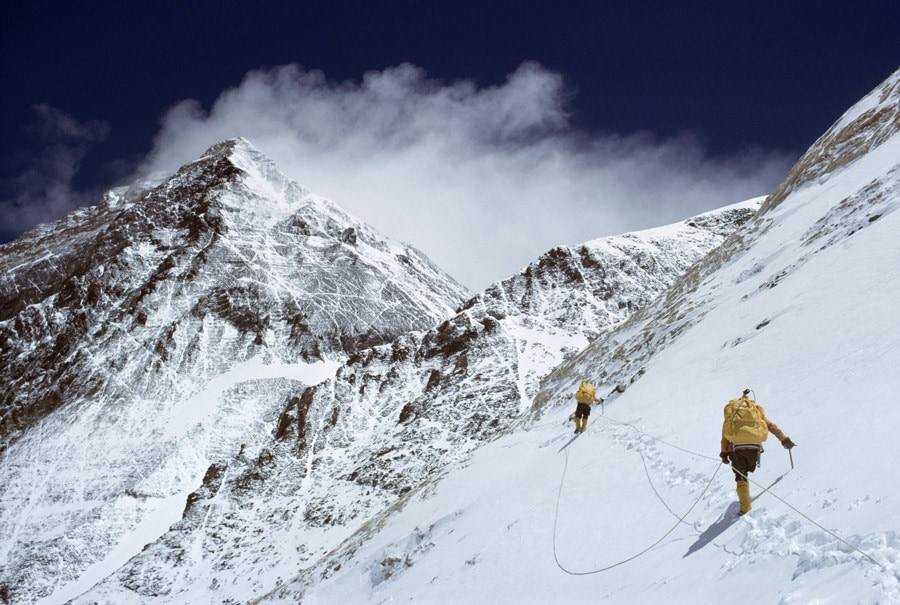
(743, 492)
(577, 425)
(584, 424)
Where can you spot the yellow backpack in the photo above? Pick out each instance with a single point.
(744, 422)
(585, 393)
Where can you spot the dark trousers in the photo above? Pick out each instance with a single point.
(582, 409)
(743, 462)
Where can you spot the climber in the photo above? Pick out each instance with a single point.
(743, 432)
(585, 396)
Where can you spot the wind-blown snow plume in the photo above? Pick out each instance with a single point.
(482, 178)
(140, 340)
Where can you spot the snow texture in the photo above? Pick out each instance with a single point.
(206, 449)
(148, 338)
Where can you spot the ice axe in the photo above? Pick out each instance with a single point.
(789, 446)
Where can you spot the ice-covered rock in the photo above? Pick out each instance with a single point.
(136, 339)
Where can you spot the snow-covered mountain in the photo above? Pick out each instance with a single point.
(351, 448)
(801, 307)
(228, 237)
(436, 465)
(147, 337)
(217, 296)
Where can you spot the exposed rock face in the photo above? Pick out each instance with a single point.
(868, 124)
(225, 259)
(130, 333)
(396, 415)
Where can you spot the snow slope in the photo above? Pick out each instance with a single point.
(394, 415)
(801, 307)
(386, 500)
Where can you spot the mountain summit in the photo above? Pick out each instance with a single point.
(165, 347)
(122, 325)
(226, 259)
(233, 423)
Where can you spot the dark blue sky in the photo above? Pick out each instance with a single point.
(768, 75)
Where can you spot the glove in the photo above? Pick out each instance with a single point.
(787, 443)
(726, 457)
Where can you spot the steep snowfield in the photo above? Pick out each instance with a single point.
(395, 415)
(425, 471)
(801, 308)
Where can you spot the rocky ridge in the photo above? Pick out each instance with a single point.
(128, 331)
(347, 451)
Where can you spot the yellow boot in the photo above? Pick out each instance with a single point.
(743, 491)
(578, 424)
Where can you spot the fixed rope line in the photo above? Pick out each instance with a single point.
(765, 490)
(817, 524)
(681, 519)
(631, 558)
(672, 445)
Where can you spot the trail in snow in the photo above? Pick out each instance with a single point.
(665, 535)
(721, 524)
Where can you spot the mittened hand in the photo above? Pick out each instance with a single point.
(787, 443)
(725, 457)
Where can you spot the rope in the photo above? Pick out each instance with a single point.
(631, 558)
(672, 445)
(819, 525)
(682, 518)
(765, 490)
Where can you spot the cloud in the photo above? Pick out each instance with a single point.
(43, 189)
(483, 179)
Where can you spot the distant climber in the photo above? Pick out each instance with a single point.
(585, 396)
(743, 431)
